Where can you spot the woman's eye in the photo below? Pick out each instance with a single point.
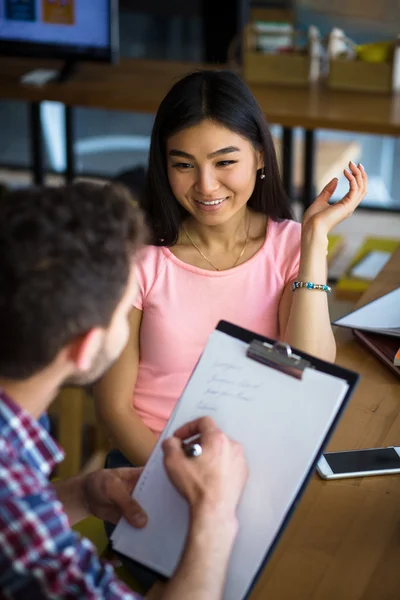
(225, 163)
(183, 166)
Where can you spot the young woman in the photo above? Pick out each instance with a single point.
(224, 247)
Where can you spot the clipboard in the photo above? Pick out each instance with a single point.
(272, 491)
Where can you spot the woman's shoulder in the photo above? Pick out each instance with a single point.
(286, 226)
(285, 231)
(284, 247)
(149, 264)
(150, 260)
(149, 255)
(284, 241)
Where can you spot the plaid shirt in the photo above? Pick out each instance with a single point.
(40, 556)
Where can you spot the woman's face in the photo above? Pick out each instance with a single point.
(212, 171)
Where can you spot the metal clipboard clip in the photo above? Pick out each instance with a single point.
(278, 356)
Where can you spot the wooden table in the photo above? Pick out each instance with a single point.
(140, 85)
(343, 543)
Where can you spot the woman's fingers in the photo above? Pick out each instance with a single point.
(357, 173)
(353, 185)
(357, 179)
(364, 177)
(327, 192)
(321, 214)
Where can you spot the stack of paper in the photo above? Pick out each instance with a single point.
(380, 316)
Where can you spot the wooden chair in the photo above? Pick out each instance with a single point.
(76, 426)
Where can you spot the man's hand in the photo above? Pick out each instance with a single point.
(107, 495)
(213, 481)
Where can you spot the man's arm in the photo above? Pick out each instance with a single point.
(41, 557)
(202, 570)
(212, 484)
(70, 492)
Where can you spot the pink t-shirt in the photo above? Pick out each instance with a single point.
(182, 305)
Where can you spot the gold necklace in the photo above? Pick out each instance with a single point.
(209, 261)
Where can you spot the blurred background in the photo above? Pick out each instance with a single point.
(193, 31)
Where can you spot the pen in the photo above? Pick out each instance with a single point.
(191, 446)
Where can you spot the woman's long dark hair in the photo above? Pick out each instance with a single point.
(221, 97)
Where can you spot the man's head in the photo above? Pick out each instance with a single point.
(66, 278)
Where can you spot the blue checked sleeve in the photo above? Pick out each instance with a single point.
(41, 557)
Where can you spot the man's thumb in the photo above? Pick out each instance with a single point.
(129, 507)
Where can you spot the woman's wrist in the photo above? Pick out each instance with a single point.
(314, 249)
(313, 237)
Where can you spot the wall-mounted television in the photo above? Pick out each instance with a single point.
(72, 30)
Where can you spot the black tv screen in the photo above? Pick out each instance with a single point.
(67, 29)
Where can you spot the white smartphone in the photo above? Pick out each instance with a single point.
(359, 463)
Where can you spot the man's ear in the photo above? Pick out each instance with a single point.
(84, 349)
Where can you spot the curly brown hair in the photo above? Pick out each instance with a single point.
(65, 258)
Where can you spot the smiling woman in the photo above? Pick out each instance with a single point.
(222, 161)
(222, 179)
(224, 247)
(209, 134)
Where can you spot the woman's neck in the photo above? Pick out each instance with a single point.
(223, 237)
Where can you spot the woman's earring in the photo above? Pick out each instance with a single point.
(262, 174)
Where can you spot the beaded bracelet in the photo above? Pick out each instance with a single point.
(311, 286)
